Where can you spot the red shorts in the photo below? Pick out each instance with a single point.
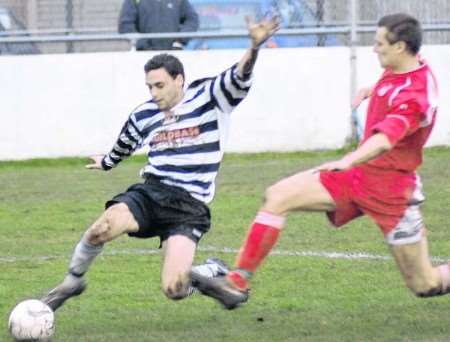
(391, 198)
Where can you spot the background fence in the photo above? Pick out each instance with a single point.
(87, 17)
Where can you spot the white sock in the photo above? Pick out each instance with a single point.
(83, 256)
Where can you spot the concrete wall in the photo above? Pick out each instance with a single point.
(75, 104)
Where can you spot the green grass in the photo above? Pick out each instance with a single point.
(45, 206)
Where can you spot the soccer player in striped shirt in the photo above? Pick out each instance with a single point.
(378, 179)
(184, 131)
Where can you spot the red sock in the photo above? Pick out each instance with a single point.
(261, 238)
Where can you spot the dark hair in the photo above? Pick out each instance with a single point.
(170, 63)
(403, 28)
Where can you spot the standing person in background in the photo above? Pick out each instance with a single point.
(157, 16)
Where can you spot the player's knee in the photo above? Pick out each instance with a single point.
(274, 199)
(176, 292)
(176, 288)
(100, 231)
(97, 233)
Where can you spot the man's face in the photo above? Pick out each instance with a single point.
(165, 90)
(388, 54)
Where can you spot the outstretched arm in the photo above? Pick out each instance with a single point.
(376, 145)
(259, 32)
(128, 141)
(230, 87)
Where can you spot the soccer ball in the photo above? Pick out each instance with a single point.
(31, 320)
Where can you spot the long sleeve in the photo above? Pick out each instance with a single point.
(128, 141)
(128, 17)
(228, 89)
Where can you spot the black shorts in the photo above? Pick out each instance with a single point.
(164, 210)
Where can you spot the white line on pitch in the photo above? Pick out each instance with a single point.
(223, 250)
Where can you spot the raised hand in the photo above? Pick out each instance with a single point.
(261, 31)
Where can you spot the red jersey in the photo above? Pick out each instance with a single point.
(403, 107)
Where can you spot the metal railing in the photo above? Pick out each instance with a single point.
(132, 38)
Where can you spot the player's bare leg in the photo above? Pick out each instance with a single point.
(300, 192)
(178, 255)
(420, 276)
(115, 221)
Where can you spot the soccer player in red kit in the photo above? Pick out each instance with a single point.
(378, 179)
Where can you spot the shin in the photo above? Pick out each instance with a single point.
(178, 255)
(420, 276)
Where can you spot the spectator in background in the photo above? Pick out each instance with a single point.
(156, 16)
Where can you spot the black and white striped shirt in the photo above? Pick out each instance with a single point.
(186, 149)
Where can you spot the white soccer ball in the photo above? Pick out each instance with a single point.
(31, 320)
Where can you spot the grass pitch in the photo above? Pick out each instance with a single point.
(300, 294)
